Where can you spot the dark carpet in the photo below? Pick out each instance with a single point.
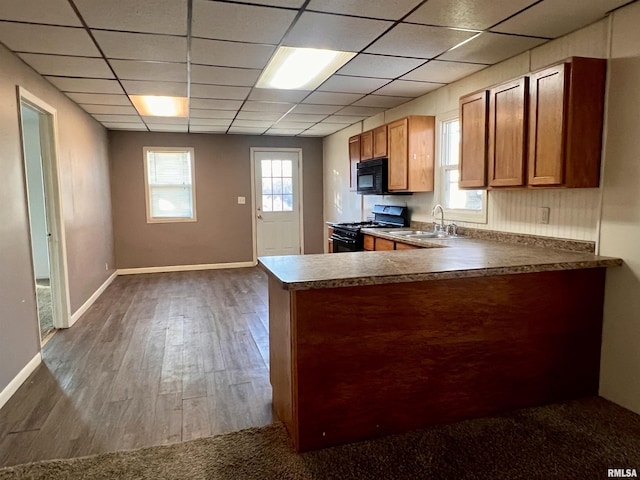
(573, 440)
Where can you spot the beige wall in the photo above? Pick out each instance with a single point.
(86, 204)
(574, 213)
(222, 233)
(620, 372)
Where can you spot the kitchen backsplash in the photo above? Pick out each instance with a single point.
(573, 213)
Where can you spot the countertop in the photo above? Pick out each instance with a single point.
(447, 258)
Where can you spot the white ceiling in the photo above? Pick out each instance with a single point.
(98, 52)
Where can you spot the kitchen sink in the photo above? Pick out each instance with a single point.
(422, 235)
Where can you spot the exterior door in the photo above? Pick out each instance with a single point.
(277, 202)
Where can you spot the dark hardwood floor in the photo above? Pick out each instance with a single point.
(158, 359)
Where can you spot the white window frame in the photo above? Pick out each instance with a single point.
(452, 214)
(192, 158)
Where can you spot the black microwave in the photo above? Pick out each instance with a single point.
(372, 177)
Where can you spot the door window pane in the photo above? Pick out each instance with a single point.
(277, 179)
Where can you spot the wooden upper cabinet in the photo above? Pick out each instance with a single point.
(398, 154)
(508, 134)
(565, 123)
(474, 123)
(411, 154)
(380, 142)
(366, 145)
(354, 158)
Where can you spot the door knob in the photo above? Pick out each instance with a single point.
(260, 216)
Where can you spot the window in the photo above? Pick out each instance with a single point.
(277, 185)
(461, 205)
(170, 185)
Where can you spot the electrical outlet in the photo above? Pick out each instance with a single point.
(242, 200)
(543, 215)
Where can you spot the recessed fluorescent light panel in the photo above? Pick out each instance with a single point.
(301, 68)
(157, 106)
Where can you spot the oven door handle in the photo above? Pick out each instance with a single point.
(343, 239)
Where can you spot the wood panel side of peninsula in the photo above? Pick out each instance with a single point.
(352, 363)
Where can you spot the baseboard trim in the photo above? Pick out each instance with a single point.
(185, 268)
(86, 305)
(19, 379)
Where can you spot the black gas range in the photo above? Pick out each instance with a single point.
(347, 237)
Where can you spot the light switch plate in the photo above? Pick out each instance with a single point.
(242, 200)
(543, 215)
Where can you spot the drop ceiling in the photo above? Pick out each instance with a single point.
(97, 52)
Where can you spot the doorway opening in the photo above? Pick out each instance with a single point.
(277, 201)
(37, 122)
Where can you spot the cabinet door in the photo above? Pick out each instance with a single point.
(380, 142)
(507, 133)
(474, 120)
(384, 244)
(369, 242)
(547, 125)
(421, 151)
(398, 154)
(366, 146)
(354, 158)
(405, 246)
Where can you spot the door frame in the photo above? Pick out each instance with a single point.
(53, 203)
(254, 230)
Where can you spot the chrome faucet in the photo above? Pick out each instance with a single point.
(442, 227)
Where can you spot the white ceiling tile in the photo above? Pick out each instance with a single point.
(141, 87)
(85, 85)
(207, 129)
(219, 114)
(230, 54)
(383, 101)
(272, 95)
(324, 129)
(151, 16)
(329, 98)
(388, 9)
(405, 88)
(215, 104)
(320, 30)
(553, 19)
(136, 70)
(418, 41)
(274, 107)
(165, 120)
(284, 131)
(215, 91)
(443, 72)
(140, 46)
(110, 109)
(117, 118)
(243, 23)
(52, 12)
(68, 66)
(159, 127)
(211, 122)
(491, 48)
(343, 83)
(252, 123)
(381, 66)
(356, 110)
(304, 118)
(316, 109)
(21, 37)
(125, 126)
(246, 130)
(344, 119)
(300, 125)
(242, 77)
(278, 3)
(474, 14)
(99, 98)
(265, 116)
